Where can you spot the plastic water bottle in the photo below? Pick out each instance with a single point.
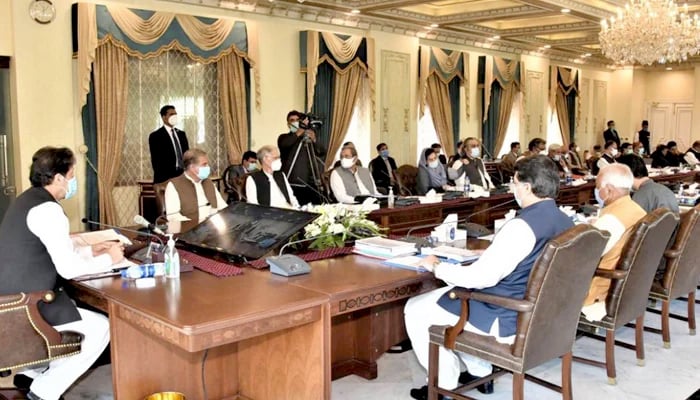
(569, 178)
(391, 197)
(144, 271)
(172, 259)
(467, 186)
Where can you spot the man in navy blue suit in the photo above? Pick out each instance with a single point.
(167, 145)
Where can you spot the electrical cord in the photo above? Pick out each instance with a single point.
(204, 381)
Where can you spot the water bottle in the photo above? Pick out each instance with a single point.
(467, 186)
(172, 259)
(569, 178)
(144, 271)
(391, 197)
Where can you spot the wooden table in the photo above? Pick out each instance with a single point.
(244, 337)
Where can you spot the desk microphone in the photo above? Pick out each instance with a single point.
(139, 220)
(459, 221)
(324, 198)
(87, 221)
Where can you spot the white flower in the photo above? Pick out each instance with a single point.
(337, 229)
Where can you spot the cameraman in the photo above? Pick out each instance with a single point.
(300, 143)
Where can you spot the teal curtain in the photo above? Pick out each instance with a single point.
(323, 102)
(571, 111)
(453, 88)
(89, 117)
(490, 125)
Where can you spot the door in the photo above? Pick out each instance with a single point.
(7, 184)
(670, 121)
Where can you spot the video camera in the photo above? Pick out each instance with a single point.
(314, 123)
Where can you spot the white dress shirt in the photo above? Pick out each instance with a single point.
(172, 202)
(690, 158)
(277, 198)
(338, 188)
(49, 223)
(173, 138)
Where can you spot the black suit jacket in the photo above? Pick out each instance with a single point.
(609, 134)
(163, 157)
(382, 177)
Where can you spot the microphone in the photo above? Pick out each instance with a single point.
(302, 241)
(83, 149)
(460, 221)
(486, 152)
(324, 198)
(118, 228)
(139, 220)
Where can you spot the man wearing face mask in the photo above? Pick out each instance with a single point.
(535, 147)
(503, 269)
(611, 134)
(618, 216)
(167, 145)
(470, 166)
(645, 135)
(383, 170)
(508, 160)
(555, 154)
(431, 174)
(302, 158)
(38, 254)
(192, 196)
(350, 180)
(607, 158)
(269, 186)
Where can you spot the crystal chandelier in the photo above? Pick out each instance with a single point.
(649, 31)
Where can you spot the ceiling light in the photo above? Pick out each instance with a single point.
(587, 55)
(434, 25)
(669, 69)
(547, 46)
(495, 37)
(565, 10)
(355, 11)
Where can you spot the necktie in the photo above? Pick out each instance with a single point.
(178, 150)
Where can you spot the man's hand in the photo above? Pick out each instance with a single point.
(312, 135)
(114, 249)
(300, 132)
(429, 263)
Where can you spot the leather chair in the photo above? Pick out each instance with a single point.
(34, 342)
(681, 275)
(407, 177)
(234, 186)
(629, 288)
(547, 315)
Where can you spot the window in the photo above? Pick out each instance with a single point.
(553, 128)
(427, 135)
(359, 129)
(513, 130)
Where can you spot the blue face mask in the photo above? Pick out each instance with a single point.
(72, 187)
(384, 153)
(204, 172)
(599, 199)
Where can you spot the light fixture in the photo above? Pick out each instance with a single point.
(649, 31)
(547, 46)
(494, 37)
(355, 11)
(565, 10)
(434, 25)
(669, 69)
(587, 55)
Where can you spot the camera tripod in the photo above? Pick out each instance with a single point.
(313, 166)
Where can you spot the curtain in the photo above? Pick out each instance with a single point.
(453, 89)
(347, 85)
(563, 117)
(322, 106)
(110, 100)
(563, 96)
(232, 94)
(502, 82)
(89, 117)
(437, 97)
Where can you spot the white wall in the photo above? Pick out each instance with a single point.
(5, 28)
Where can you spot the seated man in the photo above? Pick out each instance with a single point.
(658, 157)
(249, 164)
(346, 144)
(638, 149)
(508, 160)
(555, 154)
(437, 148)
(470, 166)
(192, 196)
(618, 216)
(37, 253)
(383, 170)
(647, 193)
(607, 158)
(431, 174)
(269, 186)
(350, 180)
(503, 269)
(534, 147)
(573, 157)
(673, 155)
(692, 156)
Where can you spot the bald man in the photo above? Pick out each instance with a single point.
(618, 216)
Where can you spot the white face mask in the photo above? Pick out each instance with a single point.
(556, 157)
(614, 152)
(433, 164)
(578, 148)
(172, 120)
(276, 165)
(347, 162)
(475, 152)
(294, 126)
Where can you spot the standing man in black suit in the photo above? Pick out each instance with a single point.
(167, 145)
(611, 134)
(302, 157)
(644, 136)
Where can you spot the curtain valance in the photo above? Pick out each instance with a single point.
(446, 65)
(506, 73)
(341, 52)
(144, 34)
(564, 98)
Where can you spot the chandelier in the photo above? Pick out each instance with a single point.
(649, 31)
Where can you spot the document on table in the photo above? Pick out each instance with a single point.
(92, 238)
(114, 270)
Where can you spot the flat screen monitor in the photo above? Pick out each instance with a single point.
(247, 230)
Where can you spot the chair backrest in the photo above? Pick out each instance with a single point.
(408, 177)
(159, 189)
(27, 339)
(640, 257)
(557, 286)
(683, 272)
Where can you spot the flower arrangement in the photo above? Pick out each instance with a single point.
(337, 224)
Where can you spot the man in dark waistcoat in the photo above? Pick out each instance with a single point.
(37, 253)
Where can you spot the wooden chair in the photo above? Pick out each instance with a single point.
(28, 340)
(557, 286)
(681, 275)
(629, 289)
(234, 186)
(407, 177)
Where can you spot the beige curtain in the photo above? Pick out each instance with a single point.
(87, 39)
(562, 116)
(347, 87)
(110, 100)
(231, 77)
(508, 94)
(448, 65)
(437, 97)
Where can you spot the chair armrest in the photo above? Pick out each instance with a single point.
(611, 273)
(510, 303)
(31, 299)
(672, 253)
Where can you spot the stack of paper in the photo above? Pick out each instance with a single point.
(380, 247)
(451, 253)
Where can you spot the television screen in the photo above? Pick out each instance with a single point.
(247, 230)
